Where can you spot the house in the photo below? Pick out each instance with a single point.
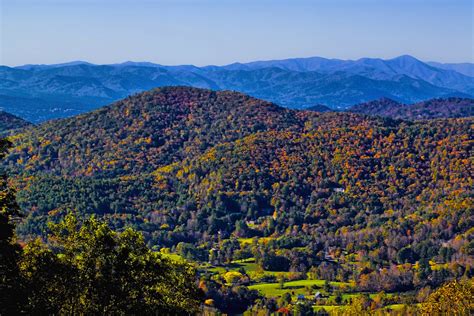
(283, 311)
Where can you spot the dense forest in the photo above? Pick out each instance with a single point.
(83, 267)
(429, 109)
(222, 180)
(9, 124)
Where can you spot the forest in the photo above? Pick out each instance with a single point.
(252, 208)
(428, 109)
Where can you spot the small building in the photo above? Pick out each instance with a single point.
(283, 311)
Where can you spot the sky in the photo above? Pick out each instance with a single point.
(204, 32)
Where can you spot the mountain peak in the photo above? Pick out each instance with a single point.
(406, 58)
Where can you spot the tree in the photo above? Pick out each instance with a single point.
(406, 254)
(281, 282)
(91, 269)
(453, 298)
(338, 299)
(424, 271)
(285, 299)
(327, 286)
(233, 277)
(303, 309)
(360, 305)
(10, 282)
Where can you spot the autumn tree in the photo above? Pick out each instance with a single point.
(453, 298)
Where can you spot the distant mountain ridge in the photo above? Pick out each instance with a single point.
(42, 92)
(463, 68)
(374, 68)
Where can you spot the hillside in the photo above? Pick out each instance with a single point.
(173, 154)
(10, 124)
(369, 202)
(149, 130)
(41, 92)
(430, 109)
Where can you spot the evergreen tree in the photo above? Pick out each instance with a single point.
(10, 283)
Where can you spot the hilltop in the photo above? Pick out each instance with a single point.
(148, 130)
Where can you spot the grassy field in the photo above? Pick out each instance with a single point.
(248, 265)
(328, 308)
(173, 256)
(293, 287)
(249, 241)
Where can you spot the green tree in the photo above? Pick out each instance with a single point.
(327, 286)
(10, 282)
(406, 254)
(424, 270)
(281, 282)
(90, 269)
(303, 309)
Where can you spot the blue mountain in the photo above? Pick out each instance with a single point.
(41, 92)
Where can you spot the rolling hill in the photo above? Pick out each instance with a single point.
(192, 165)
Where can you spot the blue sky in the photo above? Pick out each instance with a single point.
(224, 31)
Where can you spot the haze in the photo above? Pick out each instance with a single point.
(220, 32)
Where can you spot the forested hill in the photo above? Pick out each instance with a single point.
(197, 166)
(10, 123)
(146, 131)
(430, 109)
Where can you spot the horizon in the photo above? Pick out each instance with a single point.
(71, 62)
(172, 33)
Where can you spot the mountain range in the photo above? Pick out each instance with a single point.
(42, 92)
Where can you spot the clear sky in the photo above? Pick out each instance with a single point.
(218, 32)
